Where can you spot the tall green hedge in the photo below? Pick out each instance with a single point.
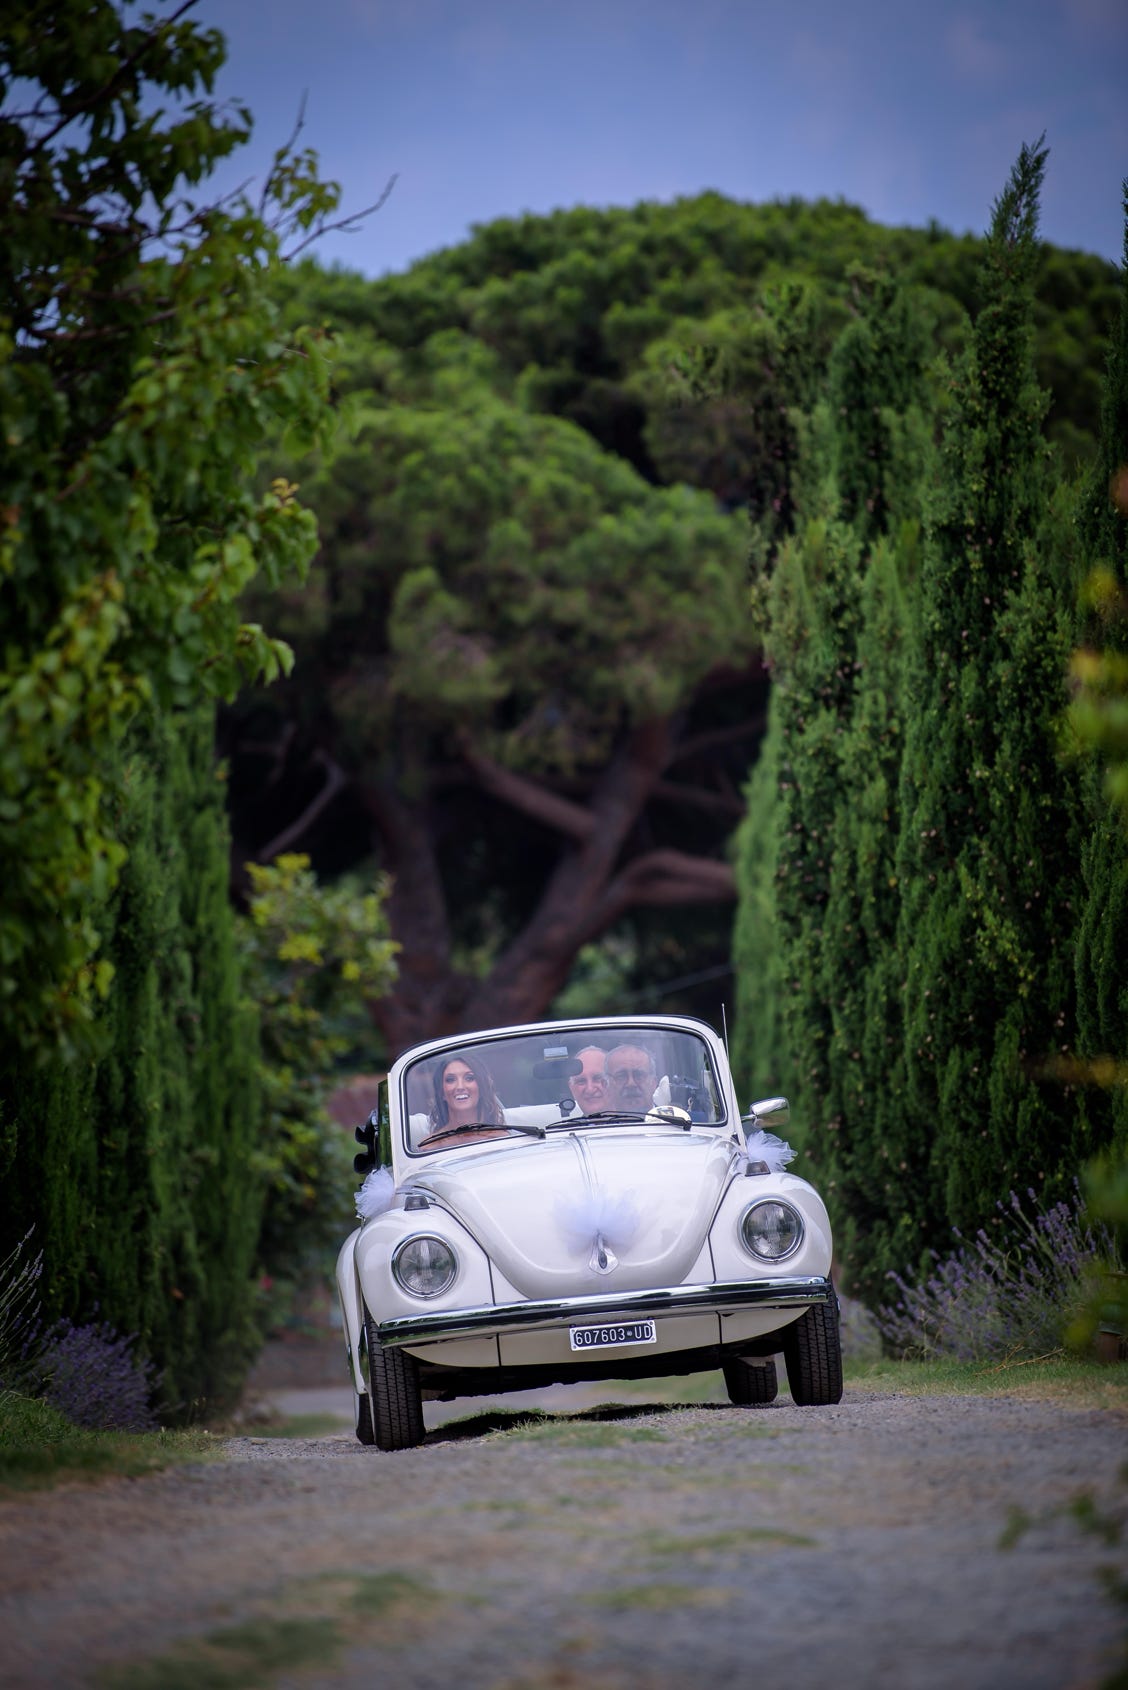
(138, 1169)
(987, 819)
(1101, 955)
(932, 937)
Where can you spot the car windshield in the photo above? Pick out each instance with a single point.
(548, 1081)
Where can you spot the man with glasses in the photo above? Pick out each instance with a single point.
(632, 1077)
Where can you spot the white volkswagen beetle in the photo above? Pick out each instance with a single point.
(578, 1200)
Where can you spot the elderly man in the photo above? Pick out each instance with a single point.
(633, 1077)
(590, 1088)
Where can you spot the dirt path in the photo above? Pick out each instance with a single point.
(635, 1548)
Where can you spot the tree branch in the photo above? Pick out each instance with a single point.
(716, 737)
(576, 821)
(676, 792)
(674, 877)
(344, 225)
(335, 780)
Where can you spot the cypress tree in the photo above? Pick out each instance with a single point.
(814, 609)
(137, 1169)
(985, 820)
(865, 1081)
(836, 627)
(879, 449)
(762, 1065)
(1102, 941)
(876, 377)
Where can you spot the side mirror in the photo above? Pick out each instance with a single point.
(769, 1112)
(366, 1135)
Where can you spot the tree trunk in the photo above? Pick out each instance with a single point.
(590, 888)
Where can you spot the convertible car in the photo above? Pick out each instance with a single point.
(578, 1200)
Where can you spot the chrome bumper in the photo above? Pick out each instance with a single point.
(489, 1319)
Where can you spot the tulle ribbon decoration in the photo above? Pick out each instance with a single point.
(770, 1150)
(376, 1194)
(599, 1222)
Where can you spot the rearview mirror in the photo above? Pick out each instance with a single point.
(557, 1068)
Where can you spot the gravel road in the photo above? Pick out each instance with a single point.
(631, 1547)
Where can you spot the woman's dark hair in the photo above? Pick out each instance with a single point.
(489, 1109)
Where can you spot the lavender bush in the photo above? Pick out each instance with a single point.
(1010, 1295)
(88, 1373)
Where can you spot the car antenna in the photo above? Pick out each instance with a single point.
(724, 1030)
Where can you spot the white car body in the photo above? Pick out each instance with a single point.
(566, 1246)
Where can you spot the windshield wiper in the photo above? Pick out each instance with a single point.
(609, 1117)
(486, 1127)
(624, 1118)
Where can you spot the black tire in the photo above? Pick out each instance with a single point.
(812, 1354)
(750, 1381)
(364, 1432)
(395, 1400)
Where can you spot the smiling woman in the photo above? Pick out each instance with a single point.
(464, 1096)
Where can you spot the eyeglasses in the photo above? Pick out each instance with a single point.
(621, 1074)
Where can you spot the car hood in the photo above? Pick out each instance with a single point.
(606, 1209)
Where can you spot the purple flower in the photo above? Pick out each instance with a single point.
(1009, 1294)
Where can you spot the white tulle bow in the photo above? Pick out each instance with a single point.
(615, 1218)
(376, 1194)
(766, 1147)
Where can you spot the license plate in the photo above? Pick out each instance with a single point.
(611, 1337)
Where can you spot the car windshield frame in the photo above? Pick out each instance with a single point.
(529, 1072)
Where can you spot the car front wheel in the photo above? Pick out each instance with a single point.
(394, 1398)
(750, 1382)
(812, 1353)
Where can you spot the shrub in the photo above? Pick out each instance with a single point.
(1009, 1295)
(90, 1374)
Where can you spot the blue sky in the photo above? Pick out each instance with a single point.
(489, 108)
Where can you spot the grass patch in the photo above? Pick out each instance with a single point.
(372, 1593)
(657, 1596)
(296, 1426)
(39, 1448)
(723, 1542)
(574, 1434)
(1080, 1384)
(239, 1657)
(340, 1606)
(682, 1390)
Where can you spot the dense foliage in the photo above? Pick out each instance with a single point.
(137, 1169)
(144, 369)
(936, 900)
(312, 954)
(141, 369)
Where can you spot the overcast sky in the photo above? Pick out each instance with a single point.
(489, 108)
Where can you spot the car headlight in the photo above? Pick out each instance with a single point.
(425, 1266)
(772, 1230)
